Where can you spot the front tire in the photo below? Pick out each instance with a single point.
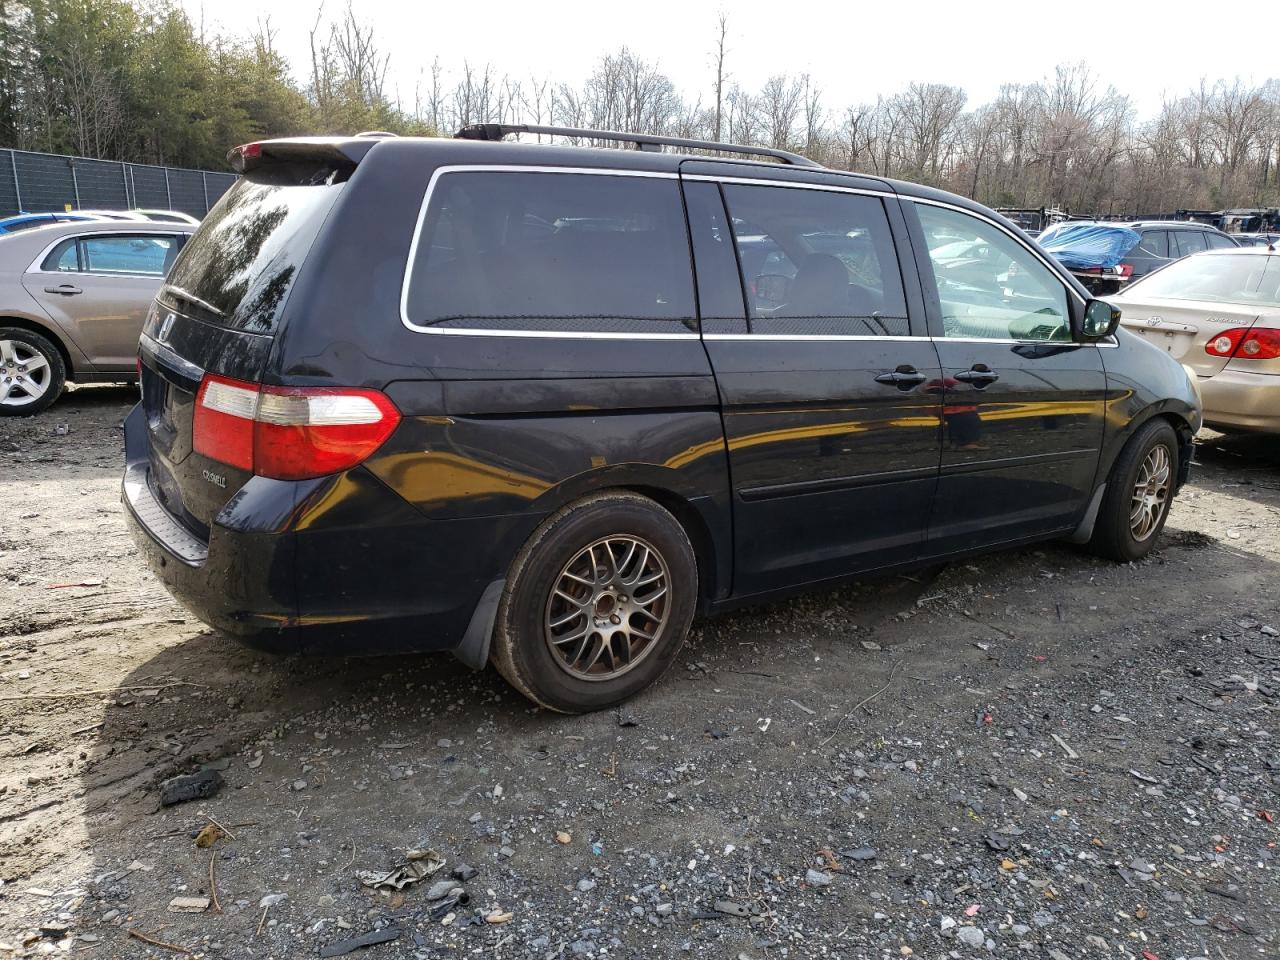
(1139, 494)
(32, 373)
(597, 604)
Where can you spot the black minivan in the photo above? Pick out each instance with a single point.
(542, 404)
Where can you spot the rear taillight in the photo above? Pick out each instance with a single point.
(1126, 270)
(289, 433)
(1260, 343)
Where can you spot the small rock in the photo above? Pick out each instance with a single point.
(971, 937)
(463, 872)
(585, 884)
(273, 900)
(188, 904)
(817, 878)
(193, 786)
(564, 837)
(441, 889)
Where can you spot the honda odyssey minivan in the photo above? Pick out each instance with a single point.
(541, 405)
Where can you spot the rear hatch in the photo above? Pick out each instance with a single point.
(220, 310)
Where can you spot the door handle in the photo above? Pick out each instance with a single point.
(65, 289)
(979, 376)
(905, 377)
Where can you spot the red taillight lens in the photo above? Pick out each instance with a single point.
(1126, 269)
(222, 428)
(308, 432)
(1260, 343)
(289, 433)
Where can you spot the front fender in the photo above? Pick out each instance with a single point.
(1144, 382)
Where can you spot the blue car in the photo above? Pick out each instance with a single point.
(25, 221)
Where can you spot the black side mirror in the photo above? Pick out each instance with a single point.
(1100, 320)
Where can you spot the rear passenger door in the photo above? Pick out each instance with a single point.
(98, 288)
(1186, 242)
(1023, 404)
(828, 382)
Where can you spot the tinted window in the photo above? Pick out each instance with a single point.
(989, 285)
(132, 254)
(1217, 241)
(62, 258)
(244, 258)
(816, 262)
(553, 251)
(1248, 278)
(1154, 243)
(1187, 241)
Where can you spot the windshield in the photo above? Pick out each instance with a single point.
(1246, 278)
(237, 268)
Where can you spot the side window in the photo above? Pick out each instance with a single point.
(63, 258)
(1188, 241)
(128, 254)
(551, 252)
(989, 285)
(1218, 242)
(817, 262)
(1154, 243)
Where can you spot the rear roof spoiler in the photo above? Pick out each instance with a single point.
(341, 151)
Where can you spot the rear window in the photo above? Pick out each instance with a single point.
(238, 267)
(1246, 278)
(549, 252)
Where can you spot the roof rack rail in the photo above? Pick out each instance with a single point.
(645, 141)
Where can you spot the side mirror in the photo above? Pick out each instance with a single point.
(1100, 320)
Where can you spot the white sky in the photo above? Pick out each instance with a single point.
(853, 51)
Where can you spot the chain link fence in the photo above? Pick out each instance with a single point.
(38, 182)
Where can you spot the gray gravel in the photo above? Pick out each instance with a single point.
(1057, 758)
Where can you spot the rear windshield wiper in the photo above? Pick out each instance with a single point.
(179, 294)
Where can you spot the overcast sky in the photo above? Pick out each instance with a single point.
(853, 51)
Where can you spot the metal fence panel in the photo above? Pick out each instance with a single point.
(37, 182)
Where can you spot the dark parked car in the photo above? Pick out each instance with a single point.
(520, 402)
(1158, 242)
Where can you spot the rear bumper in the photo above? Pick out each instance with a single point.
(1242, 400)
(339, 565)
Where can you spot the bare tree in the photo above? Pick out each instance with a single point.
(722, 31)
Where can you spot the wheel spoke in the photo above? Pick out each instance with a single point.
(595, 625)
(6, 351)
(34, 389)
(35, 362)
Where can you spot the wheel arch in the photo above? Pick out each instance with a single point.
(705, 517)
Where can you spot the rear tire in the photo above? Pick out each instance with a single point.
(597, 603)
(32, 373)
(1139, 494)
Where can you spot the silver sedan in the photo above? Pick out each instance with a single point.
(73, 297)
(1219, 314)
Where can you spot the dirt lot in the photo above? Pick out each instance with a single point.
(1035, 753)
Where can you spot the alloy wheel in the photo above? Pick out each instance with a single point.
(608, 608)
(24, 374)
(1150, 493)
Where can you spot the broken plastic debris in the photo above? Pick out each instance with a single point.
(406, 874)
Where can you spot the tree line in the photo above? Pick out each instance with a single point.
(144, 83)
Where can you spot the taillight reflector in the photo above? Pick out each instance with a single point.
(289, 433)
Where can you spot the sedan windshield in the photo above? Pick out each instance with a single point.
(1218, 278)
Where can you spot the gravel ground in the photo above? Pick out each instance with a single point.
(1034, 753)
